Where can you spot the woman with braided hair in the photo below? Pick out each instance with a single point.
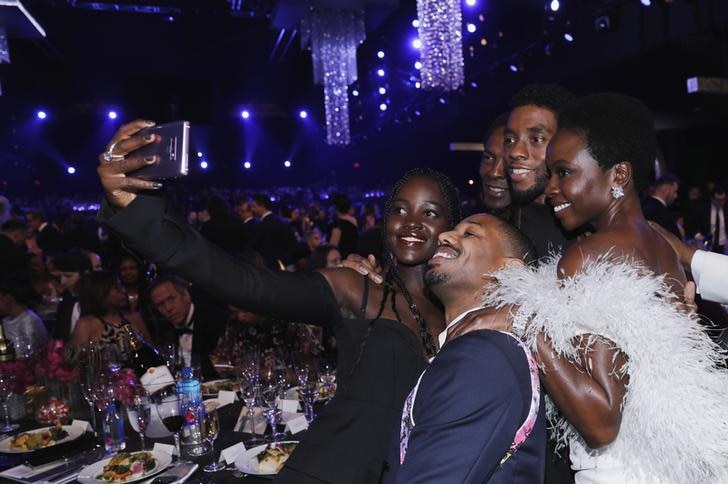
(381, 352)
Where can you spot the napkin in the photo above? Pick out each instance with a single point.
(223, 398)
(260, 422)
(230, 454)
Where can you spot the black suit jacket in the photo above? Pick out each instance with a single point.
(51, 240)
(654, 210)
(209, 324)
(702, 222)
(227, 232)
(274, 239)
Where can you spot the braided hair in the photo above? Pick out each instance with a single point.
(392, 279)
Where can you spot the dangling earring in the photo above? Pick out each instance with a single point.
(617, 192)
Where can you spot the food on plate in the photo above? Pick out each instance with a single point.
(125, 466)
(38, 440)
(215, 386)
(323, 391)
(53, 412)
(271, 460)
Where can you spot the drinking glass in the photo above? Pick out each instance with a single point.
(308, 394)
(249, 393)
(171, 415)
(139, 412)
(6, 391)
(270, 392)
(170, 355)
(327, 377)
(212, 431)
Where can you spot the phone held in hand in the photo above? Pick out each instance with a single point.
(171, 149)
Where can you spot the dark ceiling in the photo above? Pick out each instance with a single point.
(206, 60)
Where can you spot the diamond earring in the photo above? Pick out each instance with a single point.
(617, 192)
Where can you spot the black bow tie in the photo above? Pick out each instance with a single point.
(185, 330)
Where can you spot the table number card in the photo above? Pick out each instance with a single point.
(297, 424)
(82, 424)
(231, 453)
(288, 405)
(166, 448)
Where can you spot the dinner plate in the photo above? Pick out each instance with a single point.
(73, 434)
(292, 393)
(214, 384)
(88, 474)
(247, 463)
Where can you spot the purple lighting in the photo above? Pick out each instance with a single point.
(382, 91)
(554, 5)
(302, 114)
(418, 65)
(355, 93)
(380, 54)
(247, 165)
(383, 107)
(71, 170)
(245, 114)
(568, 37)
(513, 68)
(417, 43)
(416, 23)
(470, 3)
(380, 72)
(203, 165)
(472, 28)
(112, 115)
(41, 114)
(287, 164)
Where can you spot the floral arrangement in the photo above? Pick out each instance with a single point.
(54, 365)
(24, 371)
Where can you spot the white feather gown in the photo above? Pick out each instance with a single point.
(675, 418)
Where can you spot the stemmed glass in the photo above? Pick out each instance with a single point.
(308, 394)
(170, 355)
(327, 377)
(212, 431)
(139, 411)
(6, 391)
(171, 415)
(270, 391)
(249, 393)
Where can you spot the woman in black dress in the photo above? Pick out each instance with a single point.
(381, 352)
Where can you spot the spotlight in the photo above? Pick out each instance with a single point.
(471, 182)
(417, 43)
(287, 164)
(41, 114)
(170, 19)
(380, 72)
(513, 68)
(112, 115)
(417, 113)
(245, 114)
(470, 3)
(418, 65)
(604, 23)
(203, 165)
(418, 85)
(247, 165)
(472, 28)
(646, 3)
(380, 54)
(554, 5)
(302, 114)
(355, 93)
(568, 37)
(474, 84)
(383, 107)
(71, 170)
(442, 100)
(199, 154)
(382, 91)
(416, 23)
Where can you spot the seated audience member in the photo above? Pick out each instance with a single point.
(476, 413)
(103, 315)
(711, 220)
(95, 260)
(194, 326)
(68, 269)
(324, 257)
(22, 326)
(132, 276)
(49, 238)
(345, 229)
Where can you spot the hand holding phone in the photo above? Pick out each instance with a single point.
(171, 147)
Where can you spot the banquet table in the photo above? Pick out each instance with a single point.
(228, 417)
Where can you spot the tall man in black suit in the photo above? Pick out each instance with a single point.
(48, 236)
(194, 326)
(272, 237)
(657, 206)
(712, 221)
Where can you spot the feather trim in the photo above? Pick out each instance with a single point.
(675, 418)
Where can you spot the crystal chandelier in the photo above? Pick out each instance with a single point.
(440, 32)
(333, 36)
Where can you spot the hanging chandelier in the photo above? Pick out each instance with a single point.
(440, 31)
(333, 37)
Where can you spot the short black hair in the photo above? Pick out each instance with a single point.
(341, 202)
(518, 244)
(666, 179)
(550, 96)
(499, 122)
(13, 225)
(179, 284)
(263, 200)
(17, 283)
(317, 259)
(73, 261)
(616, 128)
(717, 190)
(93, 288)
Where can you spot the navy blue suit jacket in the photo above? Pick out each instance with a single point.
(471, 401)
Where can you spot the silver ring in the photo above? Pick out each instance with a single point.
(109, 155)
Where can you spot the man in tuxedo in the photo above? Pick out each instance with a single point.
(272, 237)
(712, 219)
(48, 237)
(194, 326)
(476, 414)
(657, 206)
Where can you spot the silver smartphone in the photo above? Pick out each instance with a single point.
(171, 149)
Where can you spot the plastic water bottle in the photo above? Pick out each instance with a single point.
(113, 430)
(189, 391)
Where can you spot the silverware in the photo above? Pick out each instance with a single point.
(72, 465)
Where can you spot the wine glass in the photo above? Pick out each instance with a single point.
(6, 391)
(270, 392)
(212, 431)
(309, 394)
(170, 355)
(139, 412)
(249, 393)
(171, 415)
(88, 383)
(327, 377)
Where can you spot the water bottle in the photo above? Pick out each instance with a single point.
(189, 391)
(113, 430)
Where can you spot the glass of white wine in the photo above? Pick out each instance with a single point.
(211, 432)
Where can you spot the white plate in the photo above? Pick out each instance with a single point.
(245, 462)
(292, 393)
(88, 474)
(207, 384)
(73, 434)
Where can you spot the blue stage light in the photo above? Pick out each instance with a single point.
(112, 115)
(568, 37)
(302, 114)
(380, 72)
(71, 170)
(417, 43)
(245, 114)
(247, 165)
(554, 5)
(472, 28)
(382, 91)
(41, 114)
(380, 54)
(287, 164)
(203, 165)
(383, 107)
